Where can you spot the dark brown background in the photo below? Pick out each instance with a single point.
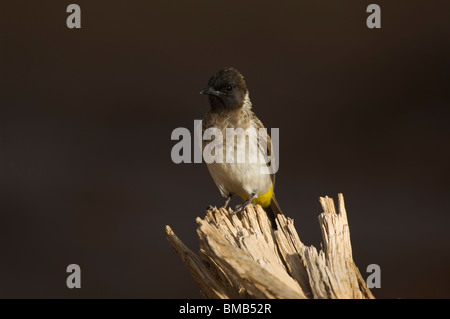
(86, 117)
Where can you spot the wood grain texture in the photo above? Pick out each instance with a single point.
(246, 257)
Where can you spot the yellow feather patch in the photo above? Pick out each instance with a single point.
(263, 199)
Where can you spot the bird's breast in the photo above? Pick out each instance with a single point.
(238, 166)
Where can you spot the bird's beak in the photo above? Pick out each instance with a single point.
(210, 91)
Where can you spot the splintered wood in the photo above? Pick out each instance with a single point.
(245, 257)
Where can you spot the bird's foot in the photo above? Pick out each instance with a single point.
(241, 207)
(227, 201)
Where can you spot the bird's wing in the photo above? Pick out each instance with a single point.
(264, 142)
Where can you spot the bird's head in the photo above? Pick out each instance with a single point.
(226, 89)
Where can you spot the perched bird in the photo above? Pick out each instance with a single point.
(231, 108)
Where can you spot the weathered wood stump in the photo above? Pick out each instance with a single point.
(246, 257)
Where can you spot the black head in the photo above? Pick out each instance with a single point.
(226, 89)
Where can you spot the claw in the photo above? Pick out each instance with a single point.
(238, 209)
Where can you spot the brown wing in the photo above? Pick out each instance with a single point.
(258, 124)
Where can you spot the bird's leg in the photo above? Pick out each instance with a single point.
(241, 207)
(227, 201)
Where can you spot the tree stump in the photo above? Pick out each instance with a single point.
(246, 257)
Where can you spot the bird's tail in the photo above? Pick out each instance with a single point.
(273, 210)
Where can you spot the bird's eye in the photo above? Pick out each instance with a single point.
(229, 88)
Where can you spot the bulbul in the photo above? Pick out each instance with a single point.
(231, 108)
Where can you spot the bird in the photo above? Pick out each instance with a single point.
(231, 108)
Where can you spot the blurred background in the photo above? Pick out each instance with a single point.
(86, 117)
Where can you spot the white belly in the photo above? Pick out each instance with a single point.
(242, 170)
